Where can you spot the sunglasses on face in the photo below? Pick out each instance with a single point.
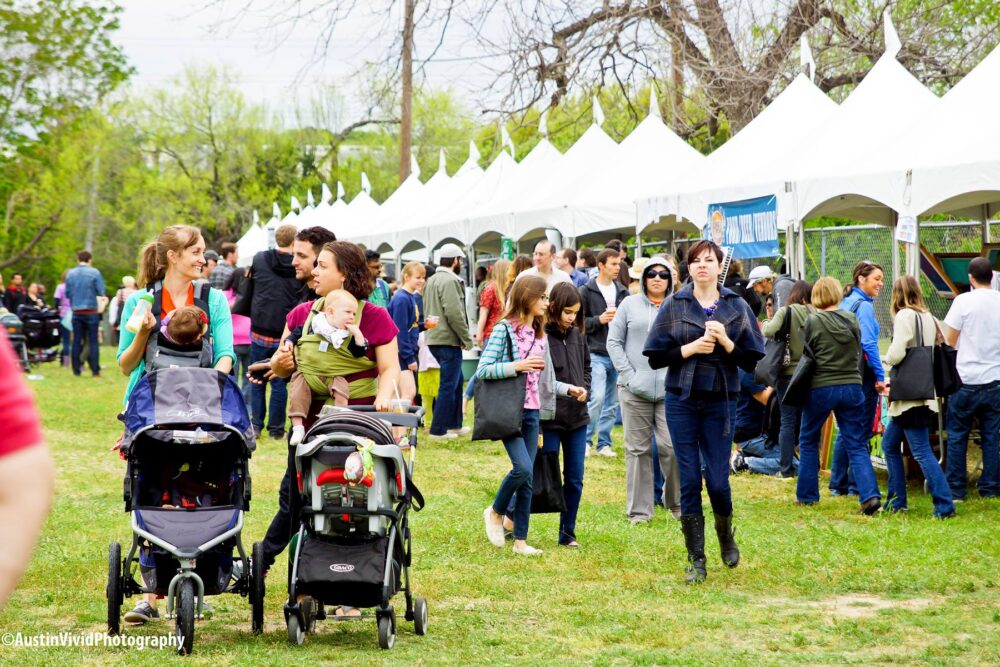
(662, 275)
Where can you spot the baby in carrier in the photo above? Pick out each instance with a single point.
(185, 326)
(336, 328)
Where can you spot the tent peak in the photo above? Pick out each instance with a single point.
(340, 190)
(324, 194)
(366, 185)
(807, 63)
(473, 151)
(256, 217)
(295, 204)
(892, 43)
(275, 211)
(414, 167)
(309, 198)
(442, 163)
(505, 140)
(598, 112)
(654, 106)
(543, 123)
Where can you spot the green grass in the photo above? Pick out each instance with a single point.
(818, 585)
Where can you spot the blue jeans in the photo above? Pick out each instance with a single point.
(470, 388)
(86, 327)
(274, 410)
(788, 437)
(702, 432)
(847, 402)
(603, 402)
(448, 406)
(574, 448)
(762, 456)
(521, 449)
(66, 336)
(657, 478)
(920, 446)
(982, 401)
(841, 475)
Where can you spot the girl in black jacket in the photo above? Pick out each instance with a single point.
(571, 362)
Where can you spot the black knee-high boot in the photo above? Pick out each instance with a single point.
(693, 527)
(727, 542)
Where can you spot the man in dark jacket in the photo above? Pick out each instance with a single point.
(600, 298)
(276, 291)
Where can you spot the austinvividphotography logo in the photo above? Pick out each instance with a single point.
(90, 640)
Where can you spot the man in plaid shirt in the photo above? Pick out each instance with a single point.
(217, 278)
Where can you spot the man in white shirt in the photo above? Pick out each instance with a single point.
(545, 254)
(973, 324)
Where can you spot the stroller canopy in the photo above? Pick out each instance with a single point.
(186, 396)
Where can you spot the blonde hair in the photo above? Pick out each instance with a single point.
(826, 292)
(153, 256)
(338, 296)
(906, 294)
(412, 268)
(128, 282)
(500, 279)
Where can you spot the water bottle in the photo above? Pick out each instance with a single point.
(142, 307)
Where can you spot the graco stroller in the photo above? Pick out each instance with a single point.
(188, 442)
(42, 332)
(353, 546)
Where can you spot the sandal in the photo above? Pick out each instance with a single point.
(345, 613)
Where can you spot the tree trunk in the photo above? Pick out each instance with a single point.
(406, 103)
(677, 89)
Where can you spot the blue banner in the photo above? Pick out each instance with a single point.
(750, 226)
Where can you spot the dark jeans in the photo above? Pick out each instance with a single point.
(702, 432)
(274, 410)
(521, 449)
(240, 369)
(285, 519)
(85, 327)
(574, 449)
(788, 437)
(847, 402)
(920, 446)
(67, 336)
(657, 478)
(448, 406)
(841, 474)
(971, 401)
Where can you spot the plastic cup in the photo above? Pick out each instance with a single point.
(431, 322)
(400, 405)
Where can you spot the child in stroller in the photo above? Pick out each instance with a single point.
(353, 546)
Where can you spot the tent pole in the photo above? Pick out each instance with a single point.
(800, 249)
(913, 255)
(986, 224)
(895, 247)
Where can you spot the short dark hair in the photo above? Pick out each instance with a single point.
(372, 254)
(82, 256)
(316, 236)
(562, 296)
(695, 251)
(570, 255)
(227, 249)
(352, 263)
(449, 261)
(588, 257)
(606, 254)
(429, 270)
(615, 244)
(981, 271)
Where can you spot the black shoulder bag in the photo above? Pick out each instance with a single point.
(801, 383)
(499, 404)
(776, 357)
(912, 379)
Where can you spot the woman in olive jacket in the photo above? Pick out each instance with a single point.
(571, 363)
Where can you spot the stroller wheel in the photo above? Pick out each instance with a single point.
(420, 616)
(296, 634)
(257, 590)
(184, 612)
(387, 631)
(114, 589)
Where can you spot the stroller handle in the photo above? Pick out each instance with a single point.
(412, 418)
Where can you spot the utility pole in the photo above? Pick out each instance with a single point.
(406, 102)
(677, 89)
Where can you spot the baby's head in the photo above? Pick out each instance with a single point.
(187, 325)
(341, 308)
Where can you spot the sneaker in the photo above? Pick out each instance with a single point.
(785, 476)
(676, 512)
(446, 436)
(737, 463)
(238, 568)
(142, 614)
(586, 452)
(277, 435)
(527, 550)
(606, 452)
(871, 506)
(298, 435)
(494, 529)
(639, 521)
(465, 430)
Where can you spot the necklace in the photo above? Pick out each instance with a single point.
(710, 310)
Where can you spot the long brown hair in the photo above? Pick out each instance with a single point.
(351, 262)
(153, 256)
(523, 295)
(906, 294)
(801, 293)
(563, 296)
(520, 263)
(862, 269)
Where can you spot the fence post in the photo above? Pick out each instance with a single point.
(822, 255)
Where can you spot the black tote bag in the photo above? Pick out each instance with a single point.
(946, 378)
(499, 404)
(244, 296)
(801, 383)
(912, 379)
(776, 358)
(547, 491)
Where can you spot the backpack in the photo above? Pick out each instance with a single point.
(162, 353)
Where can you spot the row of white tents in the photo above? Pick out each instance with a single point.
(892, 151)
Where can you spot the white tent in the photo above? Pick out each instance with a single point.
(327, 217)
(394, 210)
(252, 242)
(273, 224)
(307, 217)
(359, 213)
(292, 214)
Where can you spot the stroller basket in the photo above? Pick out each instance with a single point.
(351, 574)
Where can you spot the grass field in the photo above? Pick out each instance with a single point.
(818, 585)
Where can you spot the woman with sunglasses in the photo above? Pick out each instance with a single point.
(703, 334)
(640, 390)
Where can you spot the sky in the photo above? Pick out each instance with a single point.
(275, 64)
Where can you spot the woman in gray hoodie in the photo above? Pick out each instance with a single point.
(640, 390)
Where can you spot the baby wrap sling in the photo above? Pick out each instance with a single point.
(316, 359)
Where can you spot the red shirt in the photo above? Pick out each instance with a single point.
(489, 300)
(18, 414)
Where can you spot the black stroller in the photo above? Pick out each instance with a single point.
(41, 332)
(353, 546)
(14, 328)
(188, 442)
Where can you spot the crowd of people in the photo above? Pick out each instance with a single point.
(668, 347)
